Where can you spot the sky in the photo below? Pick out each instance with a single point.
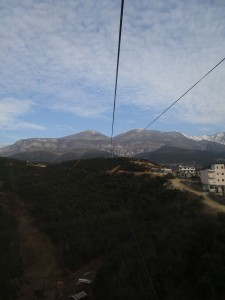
(58, 65)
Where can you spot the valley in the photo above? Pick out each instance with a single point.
(73, 219)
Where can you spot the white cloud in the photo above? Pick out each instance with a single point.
(182, 45)
(11, 111)
(64, 56)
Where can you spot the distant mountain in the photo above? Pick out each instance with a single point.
(44, 156)
(139, 141)
(89, 140)
(216, 138)
(172, 155)
(88, 135)
(92, 144)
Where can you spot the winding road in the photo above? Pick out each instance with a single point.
(212, 206)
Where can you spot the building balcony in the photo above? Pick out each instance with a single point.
(212, 182)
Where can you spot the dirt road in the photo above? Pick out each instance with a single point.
(212, 205)
(38, 256)
(43, 278)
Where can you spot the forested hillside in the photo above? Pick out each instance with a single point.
(90, 211)
(10, 260)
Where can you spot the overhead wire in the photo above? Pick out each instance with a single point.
(145, 128)
(160, 115)
(175, 102)
(112, 132)
(117, 71)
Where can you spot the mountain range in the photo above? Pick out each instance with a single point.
(149, 144)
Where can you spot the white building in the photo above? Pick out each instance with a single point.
(187, 170)
(166, 170)
(213, 179)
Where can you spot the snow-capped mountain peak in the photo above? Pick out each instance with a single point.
(216, 138)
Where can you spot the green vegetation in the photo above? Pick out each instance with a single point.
(10, 262)
(86, 211)
(218, 198)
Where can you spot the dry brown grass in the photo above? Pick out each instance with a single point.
(212, 206)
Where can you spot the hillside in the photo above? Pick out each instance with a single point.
(217, 138)
(51, 157)
(173, 155)
(91, 144)
(86, 208)
(10, 254)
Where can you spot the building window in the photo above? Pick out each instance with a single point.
(222, 179)
(221, 167)
(217, 173)
(218, 180)
(222, 173)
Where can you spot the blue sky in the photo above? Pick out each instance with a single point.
(58, 63)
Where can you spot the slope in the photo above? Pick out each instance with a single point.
(84, 207)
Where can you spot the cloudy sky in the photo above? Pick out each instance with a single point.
(58, 63)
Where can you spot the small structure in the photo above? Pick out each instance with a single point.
(213, 180)
(162, 171)
(84, 280)
(84, 283)
(187, 170)
(78, 296)
(166, 170)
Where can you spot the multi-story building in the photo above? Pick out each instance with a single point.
(213, 179)
(187, 170)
